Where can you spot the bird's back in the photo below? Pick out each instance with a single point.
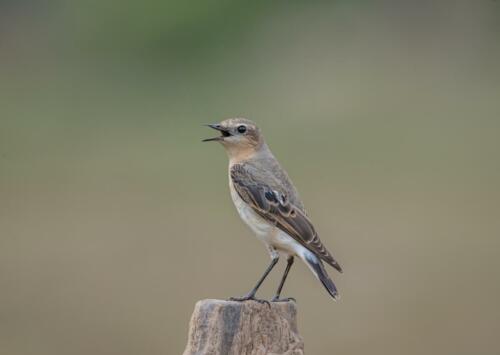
(268, 170)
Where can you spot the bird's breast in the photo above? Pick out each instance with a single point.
(263, 229)
(268, 233)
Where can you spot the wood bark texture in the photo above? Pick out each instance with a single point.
(235, 328)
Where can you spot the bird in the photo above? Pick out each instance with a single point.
(268, 202)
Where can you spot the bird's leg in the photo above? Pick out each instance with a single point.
(251, 294)
(277, 298)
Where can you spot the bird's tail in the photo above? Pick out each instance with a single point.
(318, 269)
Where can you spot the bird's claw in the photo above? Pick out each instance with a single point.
(288, 299)
(250, 298)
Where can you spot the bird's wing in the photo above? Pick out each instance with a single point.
(274, 206)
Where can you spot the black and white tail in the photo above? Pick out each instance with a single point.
(318, 269)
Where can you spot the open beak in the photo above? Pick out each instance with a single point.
(217, 127)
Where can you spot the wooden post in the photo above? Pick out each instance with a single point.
(234, 328)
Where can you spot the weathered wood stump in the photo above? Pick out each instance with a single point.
(226, 327)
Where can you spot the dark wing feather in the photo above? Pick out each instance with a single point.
(273, 205)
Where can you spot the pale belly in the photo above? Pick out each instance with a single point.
(268, 233)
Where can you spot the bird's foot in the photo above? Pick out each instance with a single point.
(249, 298)
(288, 299)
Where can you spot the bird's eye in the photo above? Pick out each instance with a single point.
(242, 129)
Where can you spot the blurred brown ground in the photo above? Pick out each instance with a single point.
(115, 219)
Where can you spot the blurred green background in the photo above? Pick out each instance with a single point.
(115, 219)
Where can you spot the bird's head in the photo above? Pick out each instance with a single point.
(239, 136)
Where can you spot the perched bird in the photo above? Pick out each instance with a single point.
(269, 204)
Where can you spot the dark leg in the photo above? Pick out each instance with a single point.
(251, 294)
(276, 298)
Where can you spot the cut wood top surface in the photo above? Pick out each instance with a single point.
(221, 327)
